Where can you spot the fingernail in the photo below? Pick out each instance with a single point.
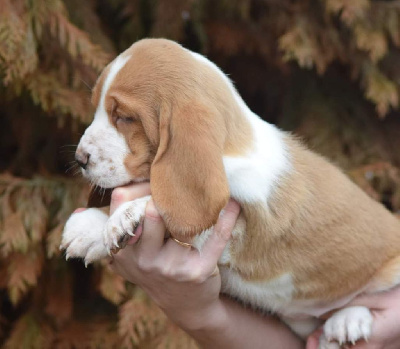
(233, 206)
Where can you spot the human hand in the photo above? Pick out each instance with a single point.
(385, 309)
(183, 282)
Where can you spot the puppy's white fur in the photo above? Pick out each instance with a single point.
(107, 147)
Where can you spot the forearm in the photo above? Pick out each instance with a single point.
(233, 326)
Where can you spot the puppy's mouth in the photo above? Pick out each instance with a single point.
(110, 182)
(103, 185)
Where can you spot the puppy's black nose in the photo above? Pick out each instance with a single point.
(82, 159)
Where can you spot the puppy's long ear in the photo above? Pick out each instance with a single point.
(188, 180)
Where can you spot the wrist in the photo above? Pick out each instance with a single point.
(210, 319)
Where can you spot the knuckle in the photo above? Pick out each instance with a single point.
(199, 279)
(196, 276)
(168, 271)
(225, 233)
(172, 272)
(224, 227)
(118, 195)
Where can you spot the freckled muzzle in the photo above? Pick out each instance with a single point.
(101, 154)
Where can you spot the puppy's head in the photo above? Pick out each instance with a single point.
(161, 116)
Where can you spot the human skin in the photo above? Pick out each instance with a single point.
(190, 292)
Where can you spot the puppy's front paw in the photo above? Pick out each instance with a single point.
(122, 224)
(348, 325)
(83, 235)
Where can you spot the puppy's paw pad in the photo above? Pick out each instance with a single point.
(349, 325)
(122, 224)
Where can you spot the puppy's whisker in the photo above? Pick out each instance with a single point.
(86, 84)
(104, 192)
(73, 166)
(69, 145)
(66, 151)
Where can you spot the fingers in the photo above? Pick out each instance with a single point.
(215, 244)
(313, 339)
(124, 264)
(128, 193)
(379, 300)
(152, 238)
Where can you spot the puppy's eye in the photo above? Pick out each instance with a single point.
(124, 119)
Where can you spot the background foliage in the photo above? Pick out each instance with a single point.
(326, 69)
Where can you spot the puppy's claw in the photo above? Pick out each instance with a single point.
(115, 250)
(115, 242)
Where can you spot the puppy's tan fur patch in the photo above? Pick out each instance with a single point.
(322, 229)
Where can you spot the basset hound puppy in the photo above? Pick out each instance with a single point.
(308, 240)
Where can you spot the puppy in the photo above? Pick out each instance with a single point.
(308, 240)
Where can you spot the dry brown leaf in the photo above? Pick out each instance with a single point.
(59, 297)
(53, 241)
(30, 332)
(112, 286)
(140, 320)
(13, 235)
(23, 272)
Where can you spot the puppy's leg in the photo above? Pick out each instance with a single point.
(83, 235)
(122, 224)
(347, 325)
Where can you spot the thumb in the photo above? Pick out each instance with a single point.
(313, 339)
(215, 244)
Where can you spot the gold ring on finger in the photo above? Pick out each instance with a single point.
(184, 244)
(215, 272)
